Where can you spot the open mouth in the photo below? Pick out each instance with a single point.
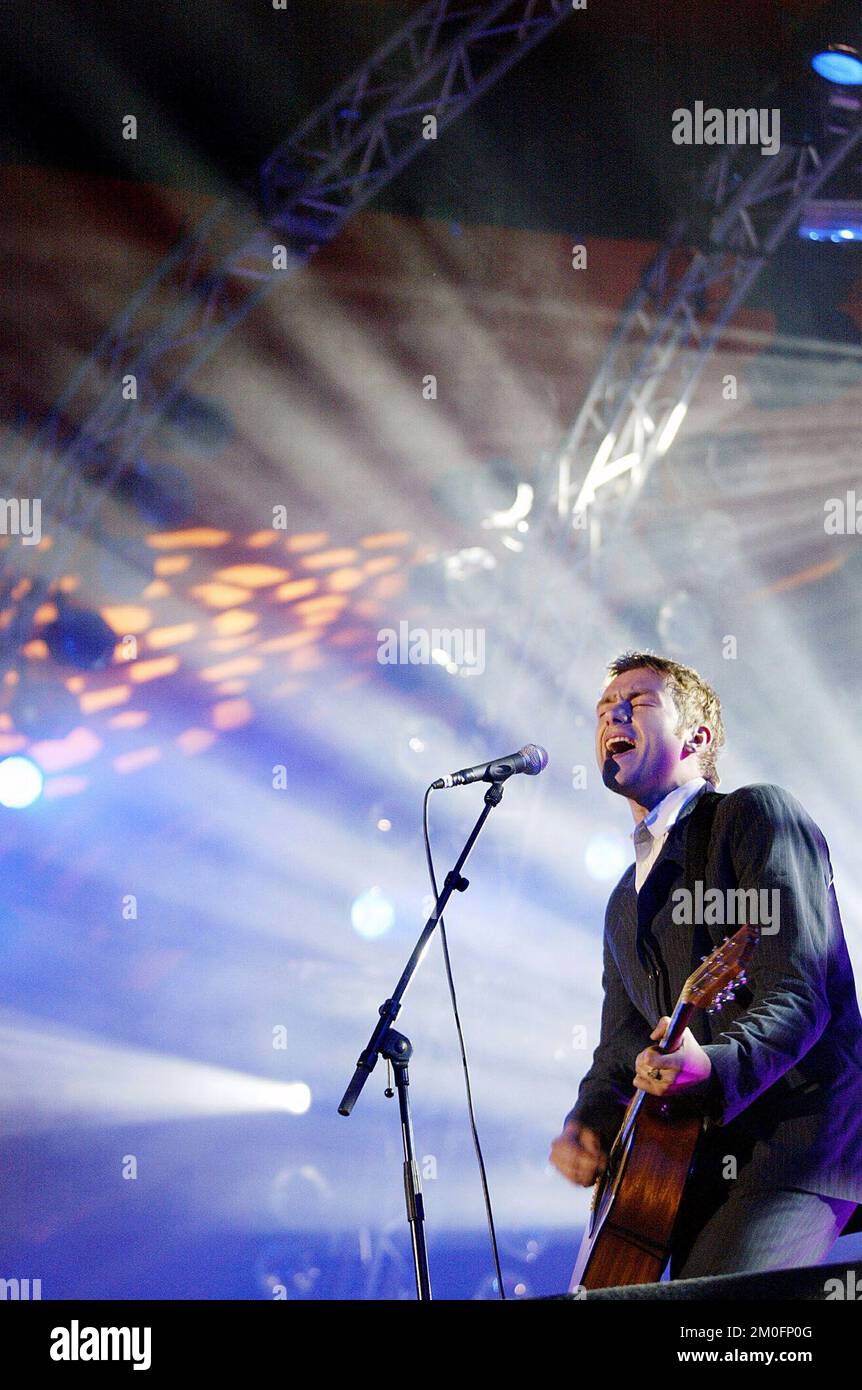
(617, 746)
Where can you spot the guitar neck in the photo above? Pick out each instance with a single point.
(678, 1024)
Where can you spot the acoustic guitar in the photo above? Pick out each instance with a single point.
(637, 1197)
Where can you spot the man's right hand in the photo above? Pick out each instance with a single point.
(577, 1153)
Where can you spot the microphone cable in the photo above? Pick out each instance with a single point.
(464, 1063)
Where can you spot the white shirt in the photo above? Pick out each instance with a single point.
(650, 834)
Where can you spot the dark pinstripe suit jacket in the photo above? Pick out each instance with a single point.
(785, 1095)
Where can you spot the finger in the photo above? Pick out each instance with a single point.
(663, 1060)
(650, 1085)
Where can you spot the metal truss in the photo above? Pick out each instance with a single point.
(746, 206)
(437, 65)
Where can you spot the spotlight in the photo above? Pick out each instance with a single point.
(839, 64)
(296, 1097)
(372, 914)
(21, 782)
(80, 638)
(835, 43)
(838, 220)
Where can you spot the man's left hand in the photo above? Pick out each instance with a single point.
(687, 1065)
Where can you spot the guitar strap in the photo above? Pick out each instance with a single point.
(696, 853)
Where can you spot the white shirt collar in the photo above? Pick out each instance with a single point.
(662, 816)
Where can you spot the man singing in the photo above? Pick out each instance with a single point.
(777, 1075)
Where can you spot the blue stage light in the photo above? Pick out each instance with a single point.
(372, 914)
(21, 782)
(843, 66)
(831, 219)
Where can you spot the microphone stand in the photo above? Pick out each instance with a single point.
(397, 1050)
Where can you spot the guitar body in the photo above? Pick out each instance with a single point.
(637, 1198)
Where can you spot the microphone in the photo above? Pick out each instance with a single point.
(530, 759)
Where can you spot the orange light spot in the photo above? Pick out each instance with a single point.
(221, 595)
(307, 660)
(381, 564)
(295, 589)
(151, 670)
(172, 564)
(252, 576)
(69, 583)
(384, 539)
(171, 636)
(235, 620)
(75, 684)
(320, 618)
(346, 579)
(157, 588)
(241, 666)
(811, 575)
(311, 541)
(129, 719)
(232, 714)
(330, 559)
(196, 538)
(367, 608)
(95, 700)
(192, 741)
(325, 603)
(348, 637)
(127, 618)
(389, 586)
(134, 761)
(57, 754)
(45, 613)
(37, 650)
(259, 540)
